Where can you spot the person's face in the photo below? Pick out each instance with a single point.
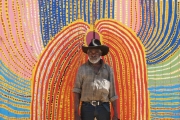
(94, 54)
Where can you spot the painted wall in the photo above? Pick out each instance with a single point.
(41, 51)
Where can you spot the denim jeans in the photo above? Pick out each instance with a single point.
(100, 112)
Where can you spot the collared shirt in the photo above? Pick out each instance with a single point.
(95, 86)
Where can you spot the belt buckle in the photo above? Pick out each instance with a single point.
(92, 103)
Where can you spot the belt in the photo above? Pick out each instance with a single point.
(95, 103)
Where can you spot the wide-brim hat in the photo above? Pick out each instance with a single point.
(96, 44)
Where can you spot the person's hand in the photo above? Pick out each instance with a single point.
(115, 118)
(77, 116)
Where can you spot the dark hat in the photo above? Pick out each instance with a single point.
(96, 44)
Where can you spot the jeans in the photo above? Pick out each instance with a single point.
(100, 112)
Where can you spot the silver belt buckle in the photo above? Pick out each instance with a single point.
(92, 102)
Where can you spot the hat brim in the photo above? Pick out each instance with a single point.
(103, 48)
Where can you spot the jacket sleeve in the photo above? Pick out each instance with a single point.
(78, 82)
(112, 92)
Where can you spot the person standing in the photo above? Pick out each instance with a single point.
(94, 85)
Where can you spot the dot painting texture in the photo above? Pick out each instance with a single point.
(41, 52)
